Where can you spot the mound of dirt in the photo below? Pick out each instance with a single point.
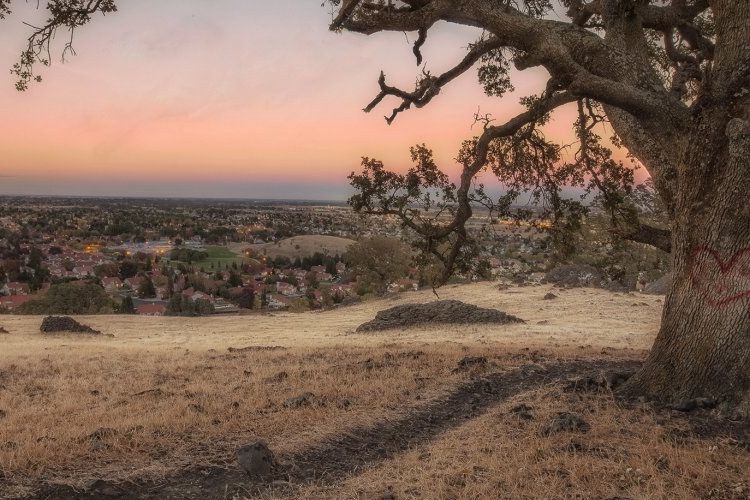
(65, 324)
(438, 312)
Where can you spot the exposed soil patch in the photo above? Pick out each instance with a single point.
(349, 453)
(65, 324)
(257, 348)
(438, 312)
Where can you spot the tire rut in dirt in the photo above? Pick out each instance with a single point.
(348, 454)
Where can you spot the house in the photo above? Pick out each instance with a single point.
(134, 282)
(221, 306)
(16, 288)
(324, 276)
(276, 301)
(403, 285)
(342, 290)
(285, 288)
(112, 285)
(12, 302)
(83, 271)
(151, 309)
(194, 295)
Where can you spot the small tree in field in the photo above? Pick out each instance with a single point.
(671, 78)
(378, 261)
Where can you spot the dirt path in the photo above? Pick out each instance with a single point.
(347, 454)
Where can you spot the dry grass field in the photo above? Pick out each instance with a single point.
(299, 246)
(158, 410)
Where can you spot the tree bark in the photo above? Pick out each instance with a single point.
(703, 346)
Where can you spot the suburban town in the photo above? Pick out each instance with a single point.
(192, 258)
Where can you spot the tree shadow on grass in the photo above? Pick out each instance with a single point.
(347, 454)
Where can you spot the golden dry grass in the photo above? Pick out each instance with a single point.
(165, 395)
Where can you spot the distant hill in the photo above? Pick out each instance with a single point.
(301, 246)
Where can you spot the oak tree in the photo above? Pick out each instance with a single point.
(672, 80)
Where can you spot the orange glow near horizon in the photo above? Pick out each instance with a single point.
(183, 97)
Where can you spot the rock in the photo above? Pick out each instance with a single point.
(3, 330)
(549, 296)
(438, 312)
(256, 459)
(660, 286)
(3, 414)
(59, 324)
(305, 399)
(565, 422)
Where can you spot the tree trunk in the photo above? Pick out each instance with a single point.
(703, 346)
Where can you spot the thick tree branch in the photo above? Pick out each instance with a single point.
(577, 59)
(649, 235)
(429, 86)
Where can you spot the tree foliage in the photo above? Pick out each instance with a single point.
(378, 261)
(70, 298)
(642, 87)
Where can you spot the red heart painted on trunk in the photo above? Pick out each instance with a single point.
(721, 281)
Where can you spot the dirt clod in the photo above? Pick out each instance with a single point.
(549, 296)
(65, 324)
(256, 348)
(256, 459)
(438, 312)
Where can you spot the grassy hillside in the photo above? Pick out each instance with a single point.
(303, 246)
(390, 413)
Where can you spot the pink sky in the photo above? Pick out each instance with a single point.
(230, 98)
